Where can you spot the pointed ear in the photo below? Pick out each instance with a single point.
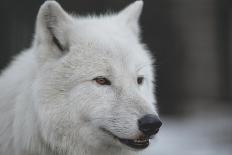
(131, 15)
(52, 26)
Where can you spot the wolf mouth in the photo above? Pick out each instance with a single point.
(140, 143)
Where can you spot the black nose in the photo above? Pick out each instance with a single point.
(149, 124)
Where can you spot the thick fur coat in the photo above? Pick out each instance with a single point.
(50, 100)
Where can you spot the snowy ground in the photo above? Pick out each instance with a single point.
(208, 132)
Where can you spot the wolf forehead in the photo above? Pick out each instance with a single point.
(110, 55)
(107, 44)
(108, 52)
(97, 61)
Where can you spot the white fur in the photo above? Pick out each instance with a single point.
(49, 103)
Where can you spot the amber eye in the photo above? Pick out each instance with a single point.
(102, 80)
(140, 80)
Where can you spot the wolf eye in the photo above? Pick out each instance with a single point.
(140, 80)
(102, 80)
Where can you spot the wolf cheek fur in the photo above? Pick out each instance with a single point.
(76, 90)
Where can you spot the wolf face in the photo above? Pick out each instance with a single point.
(95, 80)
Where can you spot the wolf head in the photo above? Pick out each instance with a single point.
(95, 82)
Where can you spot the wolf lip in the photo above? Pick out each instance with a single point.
(140, 143)
(136, 144)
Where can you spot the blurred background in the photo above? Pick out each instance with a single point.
(192, 43)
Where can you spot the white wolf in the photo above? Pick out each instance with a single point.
(85, 87)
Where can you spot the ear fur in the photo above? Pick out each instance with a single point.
(130, 15)
(52, 25)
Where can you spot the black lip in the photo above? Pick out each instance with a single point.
(135, 144)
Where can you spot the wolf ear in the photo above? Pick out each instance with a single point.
(131, 15)
(52, 26)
